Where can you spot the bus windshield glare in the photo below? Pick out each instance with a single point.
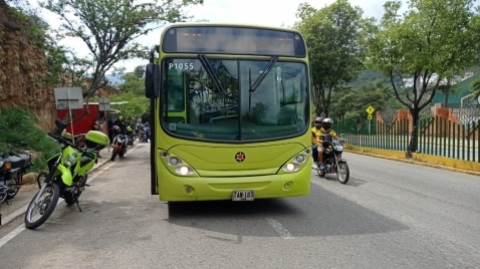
(224, 100)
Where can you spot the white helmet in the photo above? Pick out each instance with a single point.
(327, 123)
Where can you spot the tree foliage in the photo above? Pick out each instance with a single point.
(109, 28)
(432, 37)
(350, 103)
(134, 82)
(132, 90)
(332, 35)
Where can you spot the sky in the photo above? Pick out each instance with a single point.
(267, 12)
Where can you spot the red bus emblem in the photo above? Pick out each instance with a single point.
(240, 157)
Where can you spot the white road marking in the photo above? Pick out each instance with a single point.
(278, 227)
(21, 228)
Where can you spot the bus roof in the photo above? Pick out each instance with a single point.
(229, 24)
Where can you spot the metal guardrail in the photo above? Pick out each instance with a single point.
(438, 137)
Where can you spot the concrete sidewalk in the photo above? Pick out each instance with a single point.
(19, 203)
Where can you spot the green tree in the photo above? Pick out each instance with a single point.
(332, 35)
(432, 37)
(136, 106)
(109, 28)
(133, 82)
(350, 103)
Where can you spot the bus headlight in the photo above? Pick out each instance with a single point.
(174, 161)
(291, 167)
(297, 162)
(184, 170)
(179, 166)
(300, 158)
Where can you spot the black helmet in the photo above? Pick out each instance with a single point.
(318, 120)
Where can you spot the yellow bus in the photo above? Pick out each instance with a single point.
(230, 109)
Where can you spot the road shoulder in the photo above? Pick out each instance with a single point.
(18, 204)
(455, 165)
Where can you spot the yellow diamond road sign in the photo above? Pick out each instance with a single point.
(370, 110)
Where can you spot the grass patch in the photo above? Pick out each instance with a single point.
(17, 125)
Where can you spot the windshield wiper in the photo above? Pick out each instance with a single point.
(265, 71)
(206, 65)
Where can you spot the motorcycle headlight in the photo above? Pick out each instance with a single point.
(71, 159)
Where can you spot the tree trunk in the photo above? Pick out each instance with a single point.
(413, 145)
(318, 111)
(446, 99)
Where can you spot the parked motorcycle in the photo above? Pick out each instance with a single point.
(143, 136)
(333, 164)
(119, 146)
(12, 169)
(131, 139)
(67, 175)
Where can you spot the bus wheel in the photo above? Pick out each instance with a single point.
(172, 209)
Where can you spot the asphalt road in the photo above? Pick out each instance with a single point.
(390, 215)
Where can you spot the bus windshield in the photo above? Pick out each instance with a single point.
(194, 106)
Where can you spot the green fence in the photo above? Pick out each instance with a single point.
(436, 136)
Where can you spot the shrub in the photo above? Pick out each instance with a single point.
(17, 125)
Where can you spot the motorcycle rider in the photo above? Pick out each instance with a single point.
(120, 123)
(116, 130)
(326, 129)
(316, 132)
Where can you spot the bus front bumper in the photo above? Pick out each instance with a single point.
(175, 188)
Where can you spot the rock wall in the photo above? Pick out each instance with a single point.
(23, 68)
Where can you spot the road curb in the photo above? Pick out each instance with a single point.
(12, 216)
(411, 161)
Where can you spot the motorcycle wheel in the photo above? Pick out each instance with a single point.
(320, 172)
(114, 155)
(172, 209)
(45, 210)
(41, 178)
(340, 178)
(12, 193)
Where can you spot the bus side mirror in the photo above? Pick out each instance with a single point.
(152, 81)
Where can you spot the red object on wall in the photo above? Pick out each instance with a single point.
(84, 125)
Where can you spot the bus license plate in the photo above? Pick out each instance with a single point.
(242, 196)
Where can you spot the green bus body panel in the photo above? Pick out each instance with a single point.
(220, 188)
(260, 158)
(217, 173)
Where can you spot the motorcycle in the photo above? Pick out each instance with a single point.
(12, 169)
(143, 136)
(67, 175)
(131, 139)
(334, 164)
(119, 146)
